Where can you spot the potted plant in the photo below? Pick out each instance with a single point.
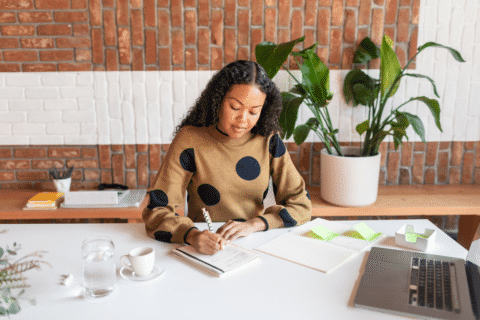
(349, 175)
(338, 178)
(313, 90)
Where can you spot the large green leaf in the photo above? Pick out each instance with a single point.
(366, 51)
(434, 107)
(389, 68)
(288, 116)
(300, 133)
(362, 127)
(316, 78)
(271, 56)
(362, 94)
(416, 123)
(454, 52)
(357, 76)
(416, 75)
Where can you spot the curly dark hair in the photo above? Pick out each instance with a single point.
(206, 109)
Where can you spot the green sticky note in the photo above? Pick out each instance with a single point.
(411, 237)
(324, 233)
(365, 231)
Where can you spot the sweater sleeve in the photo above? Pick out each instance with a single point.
(168, 191)
(293, 202)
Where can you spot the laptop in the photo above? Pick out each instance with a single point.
(421, 285)
(104, 199)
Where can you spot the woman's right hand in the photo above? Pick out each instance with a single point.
(205, 241)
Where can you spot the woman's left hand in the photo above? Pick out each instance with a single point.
(235, 229)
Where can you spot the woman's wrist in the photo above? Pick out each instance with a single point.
(191, 235)
(258, 224)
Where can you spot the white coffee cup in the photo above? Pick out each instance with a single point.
(141, 261)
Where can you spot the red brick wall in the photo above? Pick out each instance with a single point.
(136, 165)
(83, 35)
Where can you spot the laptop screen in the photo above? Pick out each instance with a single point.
(473, 275)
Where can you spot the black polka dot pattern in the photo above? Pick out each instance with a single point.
(158, 198)
(275, 188)
(248, 168)
(187, 160)
(288, 221)
(208, 194)
(276, 146)
(163, 236)
(308, 195)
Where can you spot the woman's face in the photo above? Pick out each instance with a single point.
(240, 110)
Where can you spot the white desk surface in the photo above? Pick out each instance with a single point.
(274, 289)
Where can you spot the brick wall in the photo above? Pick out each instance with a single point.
(136, 165)
(81, 35)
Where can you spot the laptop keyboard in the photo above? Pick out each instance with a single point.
(433, 285)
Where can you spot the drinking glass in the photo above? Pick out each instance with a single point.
(99, 270)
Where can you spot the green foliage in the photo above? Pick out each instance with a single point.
(313, 91)
(360, 88)
(12, 277)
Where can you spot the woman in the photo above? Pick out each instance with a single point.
(224, 153)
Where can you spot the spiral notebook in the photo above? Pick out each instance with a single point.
(230, 260)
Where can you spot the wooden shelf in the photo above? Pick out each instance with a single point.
(407, 200)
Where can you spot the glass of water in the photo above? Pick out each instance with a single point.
(99, 270)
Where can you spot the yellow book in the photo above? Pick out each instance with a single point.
(45, 198)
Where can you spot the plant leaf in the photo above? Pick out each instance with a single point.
(288, 116)
(389, 68)
(271, 56)
(300, 133)
(313, 123)
(454, 52)
(357, 76)
(416, 75)
(366, 51)
(416, 123)
(1, 252)
(362, 127)
(434, 107)
(362, 94)
(316, 78)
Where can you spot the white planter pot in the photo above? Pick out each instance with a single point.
(62, 185)
(349, 181)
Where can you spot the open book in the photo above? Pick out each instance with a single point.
(321, 244)
(223, 263)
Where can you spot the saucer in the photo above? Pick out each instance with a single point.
(128, 274)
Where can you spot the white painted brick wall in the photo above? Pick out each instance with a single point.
(145, 107)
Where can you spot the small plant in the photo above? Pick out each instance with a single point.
(313, 90)
(373, 93)
(12, 277)
(57, 175)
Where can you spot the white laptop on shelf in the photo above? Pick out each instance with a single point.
(104, 199)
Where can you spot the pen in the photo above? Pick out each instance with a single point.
(206, 215)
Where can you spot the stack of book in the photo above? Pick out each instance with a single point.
(44, 201)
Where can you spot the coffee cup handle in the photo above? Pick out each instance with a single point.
(128, 266)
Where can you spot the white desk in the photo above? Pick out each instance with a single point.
(275, 289)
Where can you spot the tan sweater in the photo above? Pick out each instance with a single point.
(229, 177)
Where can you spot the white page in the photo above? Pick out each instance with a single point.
(227, 259)
(312, 253)
(343, 241)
